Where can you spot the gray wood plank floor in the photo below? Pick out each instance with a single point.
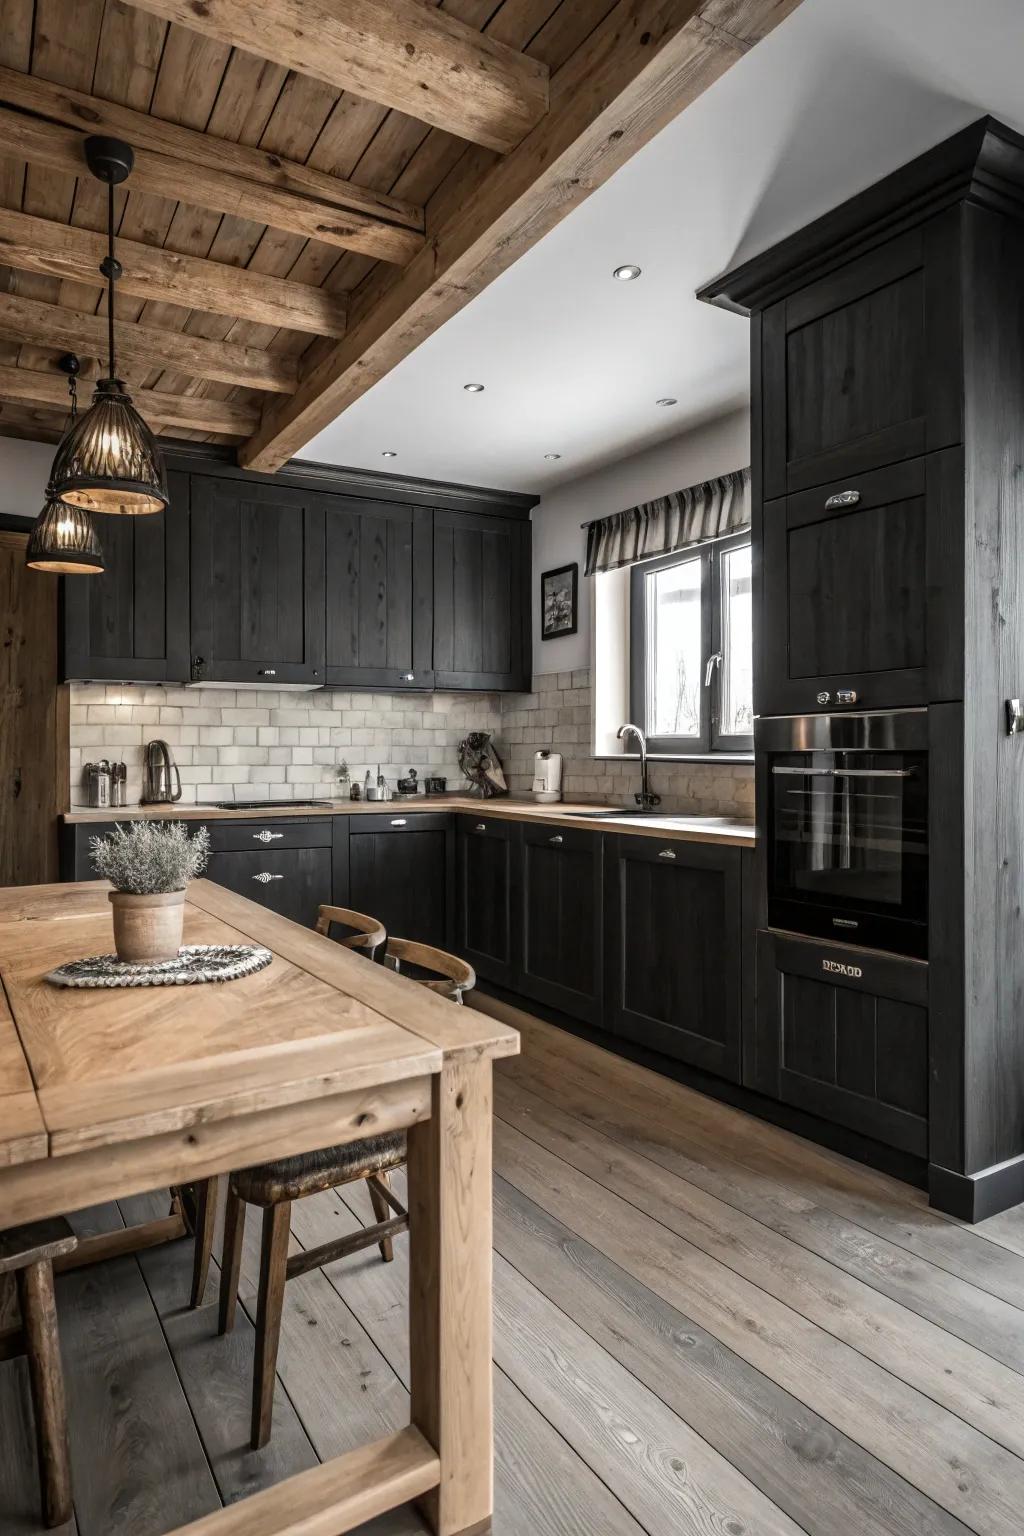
(702, 1324)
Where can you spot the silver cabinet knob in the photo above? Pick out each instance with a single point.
(842, 499)
(408, 677)
(824, 698)
(556, 841)
(264, 878)
(266, 837)
(846, 696)
(481, 826)
(267, 672)
(666, 853)
(399, 821)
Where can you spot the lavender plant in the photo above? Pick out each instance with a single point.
(148, 857)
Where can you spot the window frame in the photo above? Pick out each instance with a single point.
(711, 741)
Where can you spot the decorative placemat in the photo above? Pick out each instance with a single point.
(194, 963)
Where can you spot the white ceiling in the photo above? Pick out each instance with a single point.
(573, 361)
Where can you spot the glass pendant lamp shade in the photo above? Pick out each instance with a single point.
(63, 540)
(108, 460)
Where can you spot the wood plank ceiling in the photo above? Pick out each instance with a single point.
(298, 222)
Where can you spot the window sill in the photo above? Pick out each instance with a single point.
(686, 757)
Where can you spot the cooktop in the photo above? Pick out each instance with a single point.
(262, 805)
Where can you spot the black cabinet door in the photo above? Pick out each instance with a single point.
(291, 881)
(130, 624)
(560, 906)
(257, 580)
(377, 585)
(861, 591)
(675, 949)
(862, 367)
(486, 897)
(843, 1034)
(481, 601)
(401, 870)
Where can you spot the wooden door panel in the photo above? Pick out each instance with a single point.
(560, 911)
(487, 856)
(405, 878)
(300, 879)
(481, 601)
(378, 593)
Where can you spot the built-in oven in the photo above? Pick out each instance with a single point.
(847, 826)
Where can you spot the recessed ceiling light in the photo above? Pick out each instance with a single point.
(626, 274)
(667, 400)
(552, 455)
(389, 453)
(473, 389)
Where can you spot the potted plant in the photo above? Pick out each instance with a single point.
(149, 864)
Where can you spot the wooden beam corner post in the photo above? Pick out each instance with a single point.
(450, 1198)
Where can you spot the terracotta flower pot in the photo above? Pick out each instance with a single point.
(147, 929)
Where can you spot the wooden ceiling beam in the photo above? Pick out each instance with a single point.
(400, 53)
(48, 122)
(196, 413)
(61, 250)
(71, 330)
(637, 71)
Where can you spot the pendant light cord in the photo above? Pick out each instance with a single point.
(111, 270)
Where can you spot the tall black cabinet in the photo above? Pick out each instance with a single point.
(888, 533)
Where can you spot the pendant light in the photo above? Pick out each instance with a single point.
(108, 461)
(63, 539)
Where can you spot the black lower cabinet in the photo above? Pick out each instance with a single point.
(291, 881)
(674, 949)
(843, 1034)
(401, 869)
(560, 913)
(486, 906)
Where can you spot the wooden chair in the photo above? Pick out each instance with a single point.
(274, 1186)
(28, 1253)
(369, 934)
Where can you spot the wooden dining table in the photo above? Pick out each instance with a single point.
(113, 1092)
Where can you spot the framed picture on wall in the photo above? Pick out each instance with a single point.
(559, 601)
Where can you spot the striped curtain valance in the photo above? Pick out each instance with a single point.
(701, 512)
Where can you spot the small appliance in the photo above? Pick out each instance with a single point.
(158, 773)
(98, 781)
(547, 777)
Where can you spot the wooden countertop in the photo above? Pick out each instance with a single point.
(694, 829)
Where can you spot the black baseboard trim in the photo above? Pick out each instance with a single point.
(974, 1196)
(901, 1165)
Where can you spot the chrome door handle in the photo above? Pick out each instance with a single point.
(666, 853)
(713, 661)
(264, 878)
(481, 826)
(556, 841)
(408, 677)
(842, 499)
(399, 821)
(266, 837)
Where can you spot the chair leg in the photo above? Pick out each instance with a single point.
(206, 1219)
(39, 1318)
(273, 1272)
(230, 1260)
(382, 1211)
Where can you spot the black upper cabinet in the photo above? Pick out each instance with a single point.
(130, 624)
(377, 591)
(401, 870)
(481, 601)
(560, 917)
(486, 906)
(257, 583)
(674, 949)
(861, 368)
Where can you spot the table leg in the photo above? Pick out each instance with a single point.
(450, 1295)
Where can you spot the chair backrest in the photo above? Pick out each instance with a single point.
(369, 937)
(458, 975)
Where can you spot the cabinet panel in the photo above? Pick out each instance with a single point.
(674, 949)
(486, 897)
(860, 590)
(257, 583)
(560, 903)
(859, 368)
(130, 624)
(481, 601)
(404, 875)
(291, 881)
(843, 1034)
(378, 593)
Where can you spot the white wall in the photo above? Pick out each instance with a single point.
(713, 449)
(24, 470)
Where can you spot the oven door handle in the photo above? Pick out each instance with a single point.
(845, 773)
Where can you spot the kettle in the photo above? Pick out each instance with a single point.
(158, 768)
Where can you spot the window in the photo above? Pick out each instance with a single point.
(691, 659)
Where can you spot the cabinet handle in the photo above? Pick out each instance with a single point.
(266, 837)
(846, 695)
(666, 853)
(399, 821)
(264, 878)
(824, 698)
(408, 677)
(842, 499)
(481, 826)
(267, 672)
(556, 841)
